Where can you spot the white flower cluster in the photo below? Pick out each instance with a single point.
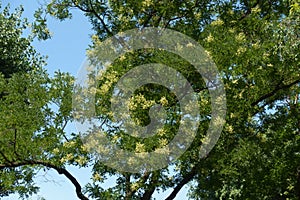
(217, 22)
(147, 3)
(163, 101)
(140, 148)
(140, 99)
(210, 38)
(111, 78)
(241, 50)
(240, 37)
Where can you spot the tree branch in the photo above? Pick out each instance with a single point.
(128, 191)
(148, 193)
(273, 92)
(5, 158)
(92, 10)
(63, 128)
(60, 170)
(187, 178)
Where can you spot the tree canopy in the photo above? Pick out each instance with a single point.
(254, 45)
(34, 110)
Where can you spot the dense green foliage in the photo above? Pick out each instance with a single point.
(255, 46)
(34, 110)
(16, 53)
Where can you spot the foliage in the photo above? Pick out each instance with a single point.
(16, 52)
(34, 111)
(255, 46)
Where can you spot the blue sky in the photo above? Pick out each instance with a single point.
(66, 52)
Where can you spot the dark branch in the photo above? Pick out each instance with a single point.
(5, 158)
(147, 195)
(63, 128)
(187, 178)
(273, 92)
(153, 182)
(127, 187)
(150, 15)
(90, 9)
(60, 170)
(93, 11)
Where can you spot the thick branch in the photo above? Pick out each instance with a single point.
(187, 178)
(60, 170)
(148, 193)
(127, 187)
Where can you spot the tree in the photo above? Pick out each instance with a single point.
(255, 47)
(32, 128)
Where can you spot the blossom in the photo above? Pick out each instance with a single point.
(56, 151)
(97, 177)
(163, 101)
(190, 45)
(163, 142)
(139, 147)
(217, 22)
(240, 37)
(81, 160)
(241, 50)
